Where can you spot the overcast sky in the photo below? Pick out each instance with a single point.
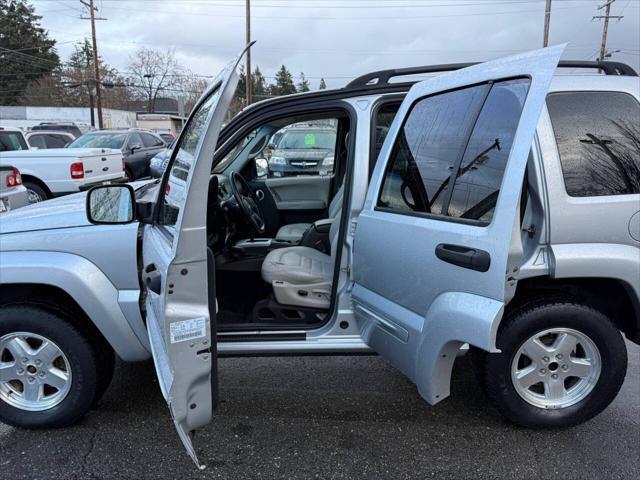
(339, 40)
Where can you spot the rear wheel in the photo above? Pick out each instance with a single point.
(49, 370)
(561, 364)
(35, 192)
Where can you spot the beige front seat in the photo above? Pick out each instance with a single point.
(295, 231)
(302, 276)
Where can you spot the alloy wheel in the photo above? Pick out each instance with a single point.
(35, 374)
(556, 368)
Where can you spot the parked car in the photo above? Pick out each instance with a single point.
(13, 195)
(59, 171)
(137, 145)
(303, 149)
(484, 220)
(49, 139)
(12, 138)
(159, 162)
(69, 127)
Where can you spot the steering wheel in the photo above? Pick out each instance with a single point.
(247, 201)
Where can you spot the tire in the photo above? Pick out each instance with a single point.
(521, 404)
(82, 359)
(36, 192)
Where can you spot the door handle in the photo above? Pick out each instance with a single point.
(464, 257)
(152, 278)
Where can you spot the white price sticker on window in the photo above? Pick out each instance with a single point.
(188, 329)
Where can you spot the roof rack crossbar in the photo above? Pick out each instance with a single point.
(382, 77)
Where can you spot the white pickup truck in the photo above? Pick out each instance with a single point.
(59, 171)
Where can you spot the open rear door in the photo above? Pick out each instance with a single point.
(176, 271)
(437, 246)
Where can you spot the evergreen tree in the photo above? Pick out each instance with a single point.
(303, 86)
(284, 83)
(26, 51)
(323, 85)
(259, 85)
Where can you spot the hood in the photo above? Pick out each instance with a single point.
(302, 153)
(62, 212)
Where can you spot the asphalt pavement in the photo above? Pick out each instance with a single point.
(325, 417)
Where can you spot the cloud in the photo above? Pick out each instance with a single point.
(331, 40)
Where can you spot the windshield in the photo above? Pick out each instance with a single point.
(307, 139)
(100, 140)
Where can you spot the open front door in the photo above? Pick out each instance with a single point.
(437, 246)
(177, 273)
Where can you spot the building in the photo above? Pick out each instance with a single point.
(25, 117)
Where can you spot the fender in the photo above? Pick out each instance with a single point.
(88, 286)
(453, 319)
(597, 260)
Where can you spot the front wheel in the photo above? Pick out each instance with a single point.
(561, 363)
(49, 370)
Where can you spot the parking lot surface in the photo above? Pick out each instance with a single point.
(325, 417)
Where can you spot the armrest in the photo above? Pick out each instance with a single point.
(324, 225)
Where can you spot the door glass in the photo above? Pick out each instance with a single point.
(37, 141)
(134, 141)
(151, 141)
(431, 140)
(480, 174)
(183, 158)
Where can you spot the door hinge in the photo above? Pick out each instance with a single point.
(531, 230)
(352, 230)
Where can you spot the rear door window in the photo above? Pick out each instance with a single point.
(450, 156)
(598, 138)
(151, 141)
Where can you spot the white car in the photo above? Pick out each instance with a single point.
(12, 138)
(59, 171)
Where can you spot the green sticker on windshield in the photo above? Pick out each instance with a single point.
(309, 139)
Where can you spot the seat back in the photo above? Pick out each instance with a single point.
(336, 204)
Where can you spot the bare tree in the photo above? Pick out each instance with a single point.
(153, 73)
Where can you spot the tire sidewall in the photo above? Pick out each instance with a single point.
(81, 357)
(584, 319)
(37, 189)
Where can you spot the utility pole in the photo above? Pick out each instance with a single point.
(248, 41)
(96, 63)
(547, 19)
(605, 28)
(90, 88)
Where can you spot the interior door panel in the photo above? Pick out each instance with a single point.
(302, 199)
(300, 193)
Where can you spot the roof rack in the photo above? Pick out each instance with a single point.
(382, 77)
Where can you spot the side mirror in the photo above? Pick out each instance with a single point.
(262, 167)
(135, 147)
(111, 204)
(271, 146)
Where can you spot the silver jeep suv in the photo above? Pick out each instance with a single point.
(494, 206)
